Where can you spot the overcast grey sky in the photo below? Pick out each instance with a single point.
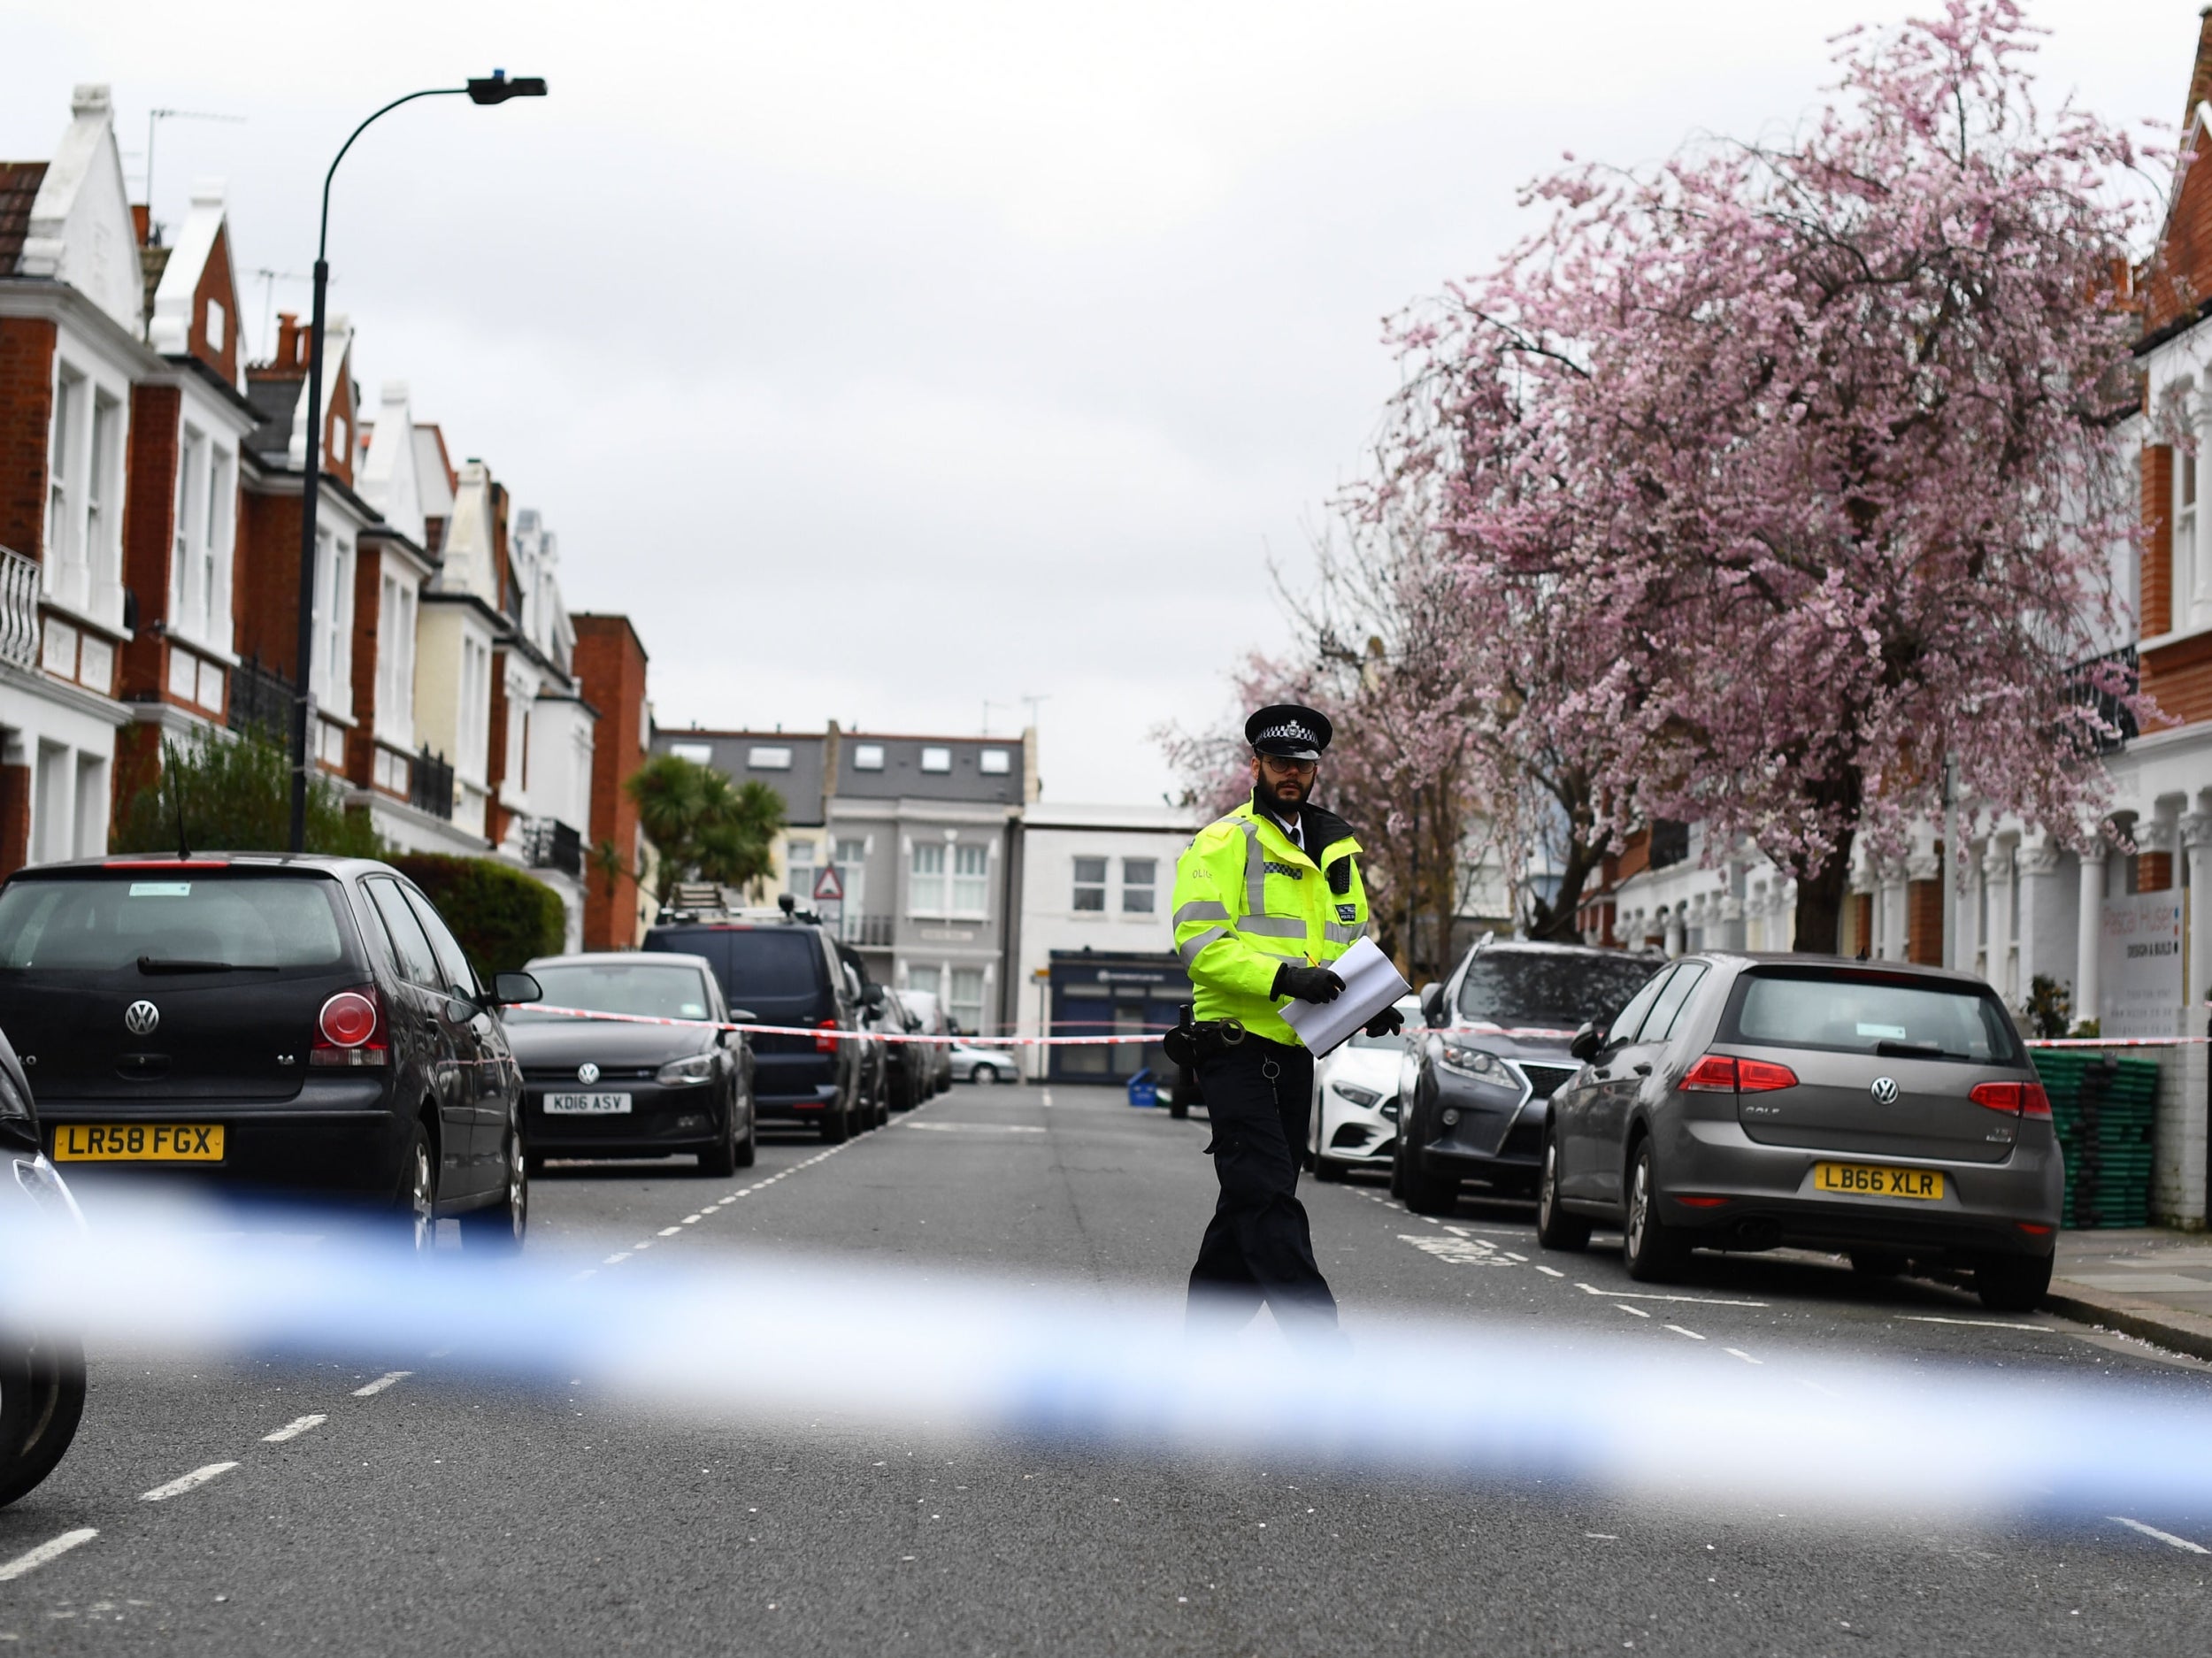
(886, 360)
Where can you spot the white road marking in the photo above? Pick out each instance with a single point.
(183, 1483)
(1625, 1307)
(691, 1220)
(668, 1231)
(1464, 1251)
(2167, 1538)
(1680, 1331)
(53, 1548)
(1549, 1272)
(1977, 1323)
(1817, 1388)
(1738, 1352)
(381, 1383)
(1511, 1256)
(617, 1259)
(981, 1128)
(1048, 1099)
(293, 1429)
(1634, 1295)
(1460, 1231)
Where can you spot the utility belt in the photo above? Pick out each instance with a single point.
(1194, 1041)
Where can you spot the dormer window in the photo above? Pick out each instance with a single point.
(936, 759)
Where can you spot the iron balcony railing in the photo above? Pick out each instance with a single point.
(18, 609)
(2096, 686)
(261, 701)
(430, 785)
(550, 844)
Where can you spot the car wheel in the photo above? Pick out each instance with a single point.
(1327, 1169)
(1398, 1169)
(2013, 1284)
(986, 1076)
(1555, 1228)
(719, 1160)
(1877, 1264)
(498, 1230)
(1656, 1252)
(415, 1205)
(41, 1401)
(837, 1124)
(748, 1148)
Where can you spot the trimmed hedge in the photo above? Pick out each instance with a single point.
(502, 916)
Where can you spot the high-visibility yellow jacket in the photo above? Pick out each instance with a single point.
(1247, 901)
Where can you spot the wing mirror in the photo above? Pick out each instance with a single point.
(1433, 1004)
(743, 1015)
(508, 989)
(1587, 1041)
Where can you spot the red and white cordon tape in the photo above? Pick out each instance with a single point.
(836, 1034)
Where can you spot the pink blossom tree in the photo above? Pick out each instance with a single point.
(1798, 453)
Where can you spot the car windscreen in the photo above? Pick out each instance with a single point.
(139, 922)
(760, 963)
(1893, 1017)
(1547, 989)
(641, 987)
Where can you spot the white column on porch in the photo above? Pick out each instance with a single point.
(1966, 946)
(2196, 847)
(1997, 945)
(2089, 935)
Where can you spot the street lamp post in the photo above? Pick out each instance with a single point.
(493, 89)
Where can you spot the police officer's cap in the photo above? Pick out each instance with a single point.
(1288, 732)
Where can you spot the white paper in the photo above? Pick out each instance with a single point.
(1370, 984)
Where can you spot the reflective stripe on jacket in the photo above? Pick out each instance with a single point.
(1247, 901)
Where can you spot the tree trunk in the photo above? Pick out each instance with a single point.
(1820, 897)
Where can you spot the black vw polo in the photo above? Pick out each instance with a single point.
(302, 1025)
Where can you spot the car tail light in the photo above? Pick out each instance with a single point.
(1719, 1073)
(1699, 1202)
(352, 1031)
(2022, 1099)
(825, 1044)
(1715, 1073)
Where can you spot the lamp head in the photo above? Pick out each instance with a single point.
(498, 88)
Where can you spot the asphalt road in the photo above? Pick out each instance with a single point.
(417, 1512)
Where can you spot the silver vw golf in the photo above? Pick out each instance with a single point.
(1747, 1102)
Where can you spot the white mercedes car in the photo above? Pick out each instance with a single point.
(1355, 1120)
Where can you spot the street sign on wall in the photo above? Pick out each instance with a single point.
(2139, 964)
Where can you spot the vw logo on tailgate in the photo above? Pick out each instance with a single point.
(587, 1073)
(141, 1017)
(1884, 1090)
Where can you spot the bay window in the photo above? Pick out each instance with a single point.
(926, 884)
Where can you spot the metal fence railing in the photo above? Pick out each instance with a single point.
(261, 701)
(430, 785)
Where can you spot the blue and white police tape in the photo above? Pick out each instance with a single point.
(764, 1338)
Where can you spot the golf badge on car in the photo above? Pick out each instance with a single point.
(141, 1017)
(587, 1073)
(1885, 1090)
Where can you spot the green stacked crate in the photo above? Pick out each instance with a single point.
(2105, 1129)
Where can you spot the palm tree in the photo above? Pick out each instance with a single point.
(706, 828)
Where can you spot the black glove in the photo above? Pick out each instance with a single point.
(1389, 1022)
(1308, 984)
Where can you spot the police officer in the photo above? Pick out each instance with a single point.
(1266, 898)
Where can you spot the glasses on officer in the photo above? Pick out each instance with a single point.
(1292, 768)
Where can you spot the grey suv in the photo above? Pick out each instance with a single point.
(1475, 1086)
(1741, 1103)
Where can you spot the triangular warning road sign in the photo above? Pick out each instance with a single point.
(827, 887)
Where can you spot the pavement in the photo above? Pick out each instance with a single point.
(2148, 1282)
(223, 1504)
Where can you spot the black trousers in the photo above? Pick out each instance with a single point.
(1258, 1247)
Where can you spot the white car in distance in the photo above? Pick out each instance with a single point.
(986, 1065)
(1355, 1120)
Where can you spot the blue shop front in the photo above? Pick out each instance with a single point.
(1098, 994)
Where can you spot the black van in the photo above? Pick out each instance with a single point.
(790, 971)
